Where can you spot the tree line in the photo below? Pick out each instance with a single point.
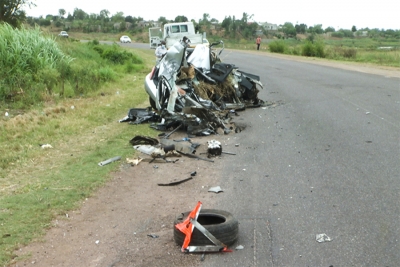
(13, 13)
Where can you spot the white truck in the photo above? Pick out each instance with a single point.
(174, 32)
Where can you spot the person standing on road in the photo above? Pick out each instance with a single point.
(161, 50)
(258, 42)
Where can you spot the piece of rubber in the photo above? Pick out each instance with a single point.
(219, 223)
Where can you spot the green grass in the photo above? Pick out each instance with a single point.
(36, 185)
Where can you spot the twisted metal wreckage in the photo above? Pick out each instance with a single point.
(191, 89)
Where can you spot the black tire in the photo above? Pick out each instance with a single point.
(219, 223)
(152, 103)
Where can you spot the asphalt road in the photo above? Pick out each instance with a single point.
(324, 159)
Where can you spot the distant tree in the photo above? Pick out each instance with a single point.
(162, 20)
(227, 23)
(205, 18)
(213, 20)
(70, 17)
(118, 17)
(79, 14)
(129, 19)
(104, 15)
(302, 28)
(330, 29)
(318, 29)
(353, 29)
(181, 19)
(288, 29)
(11, 11)
(61, 12)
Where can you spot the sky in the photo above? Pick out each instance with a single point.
(339, 14)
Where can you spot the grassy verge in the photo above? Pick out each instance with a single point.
(40, 184)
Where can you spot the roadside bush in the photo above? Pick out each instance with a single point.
(316, 49)
(278, 47)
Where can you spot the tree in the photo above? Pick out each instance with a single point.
(288, 29)
(61, 12)
(353, 29)
(162, 20)
(227, 23)
(118, 17)
(302, 28)
(11, 11)
(79, 14)
(181, 19)
(330, 29)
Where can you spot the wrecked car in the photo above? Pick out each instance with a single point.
(193, 88)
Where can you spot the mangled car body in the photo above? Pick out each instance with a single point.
(193, 88)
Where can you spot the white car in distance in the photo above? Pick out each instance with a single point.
(63, 34)
(125, 39)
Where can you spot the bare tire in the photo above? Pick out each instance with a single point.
(219, 223)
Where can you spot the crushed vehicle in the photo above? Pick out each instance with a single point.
(191, 88)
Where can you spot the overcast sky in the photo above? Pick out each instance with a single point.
(383, 14)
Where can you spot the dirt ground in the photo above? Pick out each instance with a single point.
(112, 227)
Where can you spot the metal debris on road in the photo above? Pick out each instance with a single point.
(108, 161)
(152, 236)
(321, 238)
(215, 189)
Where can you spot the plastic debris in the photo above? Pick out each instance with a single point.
(239, 247)
(215, 189)
(321, 238)
(177, 182)
(6, 114)
(97, 242)
(152, 236)
(44, 146)
(134, 161)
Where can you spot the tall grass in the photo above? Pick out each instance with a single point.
(35, 67)
(24, 55)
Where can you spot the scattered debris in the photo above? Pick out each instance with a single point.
(366, 113)
(108, 161)
(153, 236)
(321, 238)
(97, 242)
(214, 148)
(239, 247)
(194, 156)
(177, 182)
(229, 153)
(134, 161)
(6, 114)
(140, 115)
(193, 173)
(44, 146)
(215, 189)
(143, 140)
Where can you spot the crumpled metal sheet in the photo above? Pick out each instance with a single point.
(215, 189)
(321, 238)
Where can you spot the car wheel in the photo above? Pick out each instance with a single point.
(219, 223)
